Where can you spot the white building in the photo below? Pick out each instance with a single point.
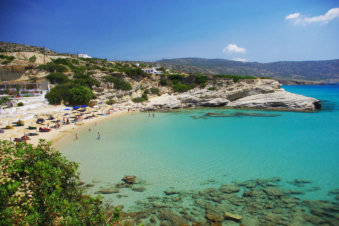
(152, 70)
(83, 55)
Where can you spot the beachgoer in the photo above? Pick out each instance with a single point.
(149, 114)
(99, 136)
(89, 130)
(153, 114)
(76, 136)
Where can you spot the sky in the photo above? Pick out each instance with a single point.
(244, 30)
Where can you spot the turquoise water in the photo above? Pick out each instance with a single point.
(185, 149)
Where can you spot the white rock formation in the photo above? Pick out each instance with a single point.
(258, 94)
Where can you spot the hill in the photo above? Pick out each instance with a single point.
(326, 70)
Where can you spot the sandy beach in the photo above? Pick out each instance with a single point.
(59, 113)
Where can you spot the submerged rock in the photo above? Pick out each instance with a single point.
(234, 217)
(229, 188)
(168, 215)
(273, 191)
(334, 192)
(139, 189)
(89, 185)
(108, 191)
(129, 179)
(215, 217)
(171, 192)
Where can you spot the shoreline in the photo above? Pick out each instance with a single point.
(57, 135)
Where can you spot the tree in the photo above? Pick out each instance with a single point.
(57, 94)
(80, 95)
(40, 187)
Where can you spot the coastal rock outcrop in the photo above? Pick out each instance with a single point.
(278, 100)
(251, 93)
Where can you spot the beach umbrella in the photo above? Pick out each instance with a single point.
(83, 106)
(67, 109)
(75, 107)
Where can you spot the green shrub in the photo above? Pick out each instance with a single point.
(32, 59)
(163, 82)
(74, 61)
(57, 94)
(175, 78)
(52, 67)
(40, 187)
(179, 87)
(4, 100)
(80, 95)
(110, 101)
(212, 88)
(235, 78)
(155, 90)
(133, 72)
(7, 59)
(118, 83)
(63, 61)
(20, 104)
(85, 80)
(57, 78)
(144, 96)
(200, 79)
(138, 100)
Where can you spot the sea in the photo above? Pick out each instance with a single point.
(195, 149)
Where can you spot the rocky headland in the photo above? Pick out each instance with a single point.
(248, 93)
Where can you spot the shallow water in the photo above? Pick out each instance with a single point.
(193, 150)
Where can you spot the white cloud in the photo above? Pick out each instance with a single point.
(292, 16)
(324, 19)
(233, 48)
(240, 59)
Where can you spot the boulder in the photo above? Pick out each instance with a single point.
(231, 216)
(129, 179)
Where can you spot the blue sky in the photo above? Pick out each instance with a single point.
(262, 31)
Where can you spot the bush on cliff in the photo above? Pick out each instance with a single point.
(38, 186)
(32, 59)
(52, 67)
(57, 78)
(179, 87)
(118, 83)
(235, 78)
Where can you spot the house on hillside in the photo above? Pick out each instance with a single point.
(152, 70)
